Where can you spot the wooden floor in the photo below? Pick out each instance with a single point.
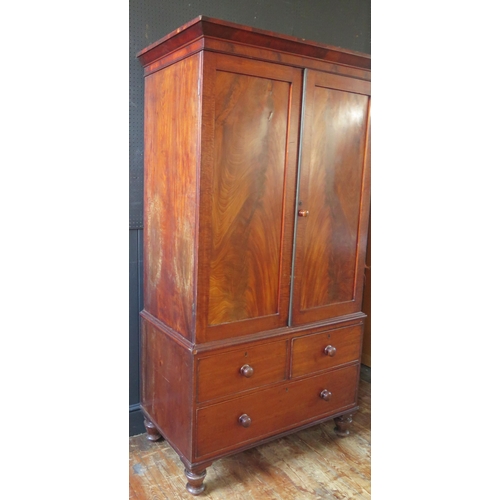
(314, 463)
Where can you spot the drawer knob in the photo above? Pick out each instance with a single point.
(303, 213)
(325, 394)
(246, 371)
(330, 350)
(245, 420)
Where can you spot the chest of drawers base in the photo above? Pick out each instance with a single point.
(218, 402)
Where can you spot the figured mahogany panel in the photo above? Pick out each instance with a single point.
(251, 115)
(248, 175)
(171, 156)
(166, 386)
(322, 351)
(333, 195)
(240, 370)
(271, 411)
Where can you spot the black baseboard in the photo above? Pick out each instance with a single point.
(135, 421)
(366, 373)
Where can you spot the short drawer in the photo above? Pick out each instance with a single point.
(322, 351)
(261, 414)
(240, 370)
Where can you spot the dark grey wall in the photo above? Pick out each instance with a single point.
(344, 23)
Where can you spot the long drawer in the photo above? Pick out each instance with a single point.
(240, 370)
(255, 416)
(326, 350)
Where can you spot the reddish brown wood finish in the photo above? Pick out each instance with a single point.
(221, 374)
(251, 117)
(249, 151)
(215, 29)
(273, 410)
(290, 468)
(167, 387)
(308, 351)
(225, 366)
(171, 156)
(331, 240)
(342, 425)
(284, 333)
(152, 431)
(195, 484)
(255, 53)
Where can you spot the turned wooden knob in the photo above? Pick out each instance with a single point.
(325, 394)
(303, 213)
(246, 371)
(245, 420)
(330, 350)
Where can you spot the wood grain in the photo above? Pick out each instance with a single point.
(211, 28)
(273, 410)
(251, 116)
(308, 354)
(311, 464)
(248, 160)
(166, 386)
(332, 181)
(288, 58)
(170, 149)
(219, 374)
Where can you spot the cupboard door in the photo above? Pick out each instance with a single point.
(250, 122)
(333, 198)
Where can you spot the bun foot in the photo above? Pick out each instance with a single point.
(153, 434)
(342, 425)
(195, 484)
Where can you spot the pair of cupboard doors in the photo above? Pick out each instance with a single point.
(257, 195)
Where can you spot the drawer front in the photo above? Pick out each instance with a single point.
(322, 351)
(223, 426)
(240, 370)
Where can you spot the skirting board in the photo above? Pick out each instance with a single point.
(136, 421)
(366, 373)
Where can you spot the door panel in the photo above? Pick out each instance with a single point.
(251, 115)
(250, 174)
(333, 193)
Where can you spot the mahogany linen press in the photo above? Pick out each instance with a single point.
(257, 193)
